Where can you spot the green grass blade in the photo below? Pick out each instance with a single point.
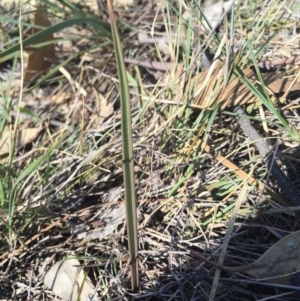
(34, 165)
(28, 171)
(99, 26)
(265, 98)
(129, 181)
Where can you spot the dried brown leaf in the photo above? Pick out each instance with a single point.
(105, 108)
(24, 137)
(214, 10)
(278, 264)
(61, 97)
(39, 60)
(67, 280)
(210, 87)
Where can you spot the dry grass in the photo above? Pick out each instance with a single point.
(186, 196)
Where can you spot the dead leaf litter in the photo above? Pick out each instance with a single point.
(187, 178)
